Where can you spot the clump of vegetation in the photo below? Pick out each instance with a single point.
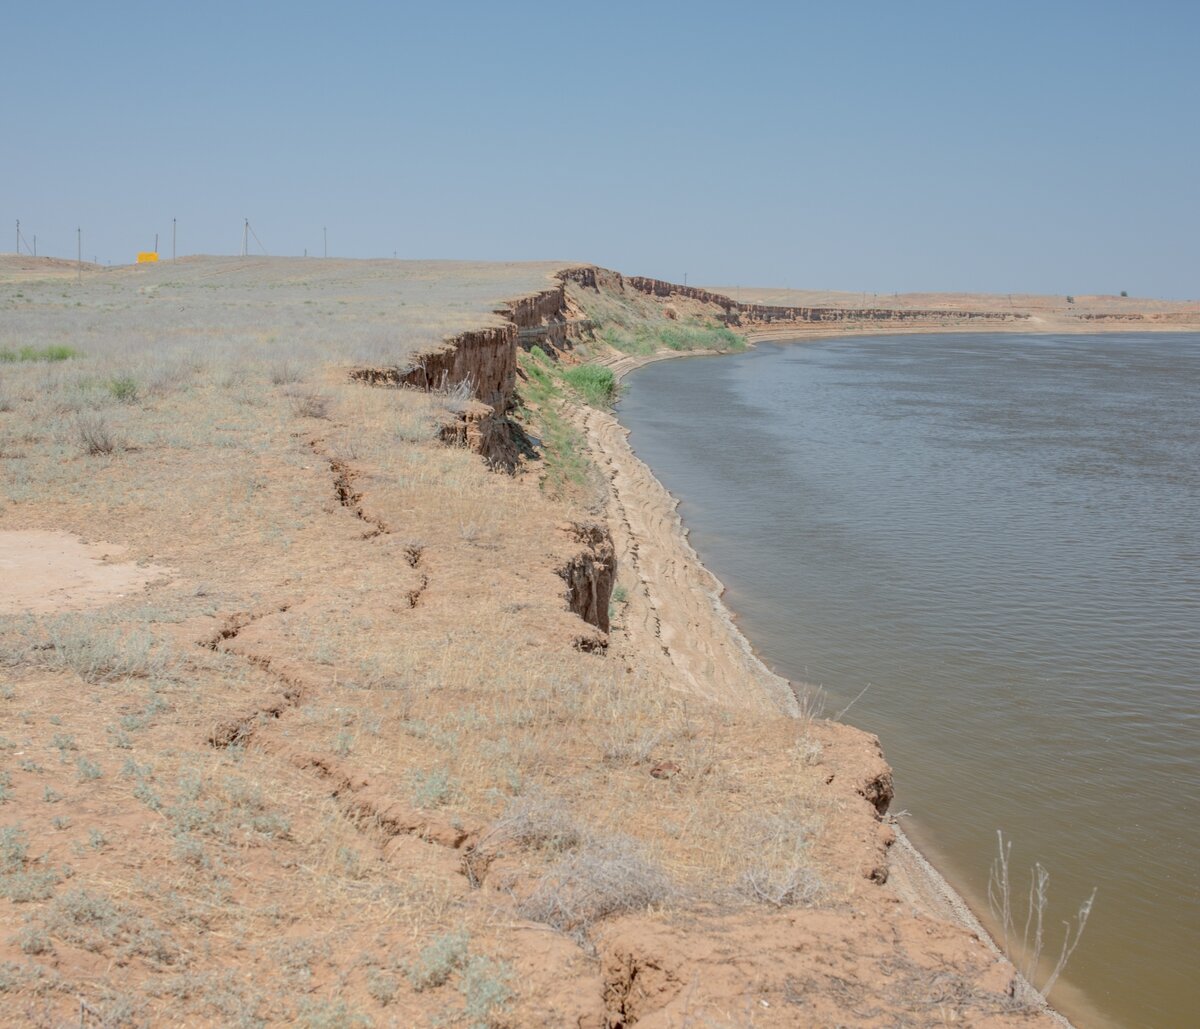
(92, 921)
(229, 810)
(433, 788)
(602, 877)
(483, 981)
(485, 990)
(594, 383)
(284, 373)
(33, 940)
(124, 388)
(14, 849)
(311, 405)
(99, 655)
(620, 595)
(535, 821)
(798, 886)
(21, 879)
(650, 337)
(329, 1014)
(94, 436)
(88, 770)
(48, 354)
(438, 961)
(566, 465)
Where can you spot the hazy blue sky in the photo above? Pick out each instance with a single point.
(1006, 146)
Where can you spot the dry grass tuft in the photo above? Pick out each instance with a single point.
(94, 436)
(599, 878)
(311, 405)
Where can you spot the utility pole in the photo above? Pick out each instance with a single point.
(79, 254)
(156, 243)
(172, 240)
(245, 236)
(325, 237)
(35, 244)
(18, 251)
(685, 279)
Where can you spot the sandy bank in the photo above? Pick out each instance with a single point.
(680, 603)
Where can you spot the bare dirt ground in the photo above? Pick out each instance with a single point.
(44, 572)
(338, 750)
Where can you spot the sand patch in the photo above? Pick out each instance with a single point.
(42, 572)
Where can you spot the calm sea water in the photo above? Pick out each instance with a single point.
(1000, 534)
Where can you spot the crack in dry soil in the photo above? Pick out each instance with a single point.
(347, 496)
(381, 814)
(414, 594)
(238, 731)
(238, 621)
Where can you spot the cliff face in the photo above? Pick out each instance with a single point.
(590, 574)
(665, 290)
(485, 360)
(736, 313)
(762, 314)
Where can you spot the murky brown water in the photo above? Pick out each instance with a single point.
(1001, 535)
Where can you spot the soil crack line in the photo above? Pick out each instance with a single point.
(238, 621)
(347, 495)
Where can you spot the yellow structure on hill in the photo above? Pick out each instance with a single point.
(147, 256)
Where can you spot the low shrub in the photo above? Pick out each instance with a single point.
(486, 991)
(798, 886)
(283, 373)
(124, 388)
(311, 405)
(99, 654)
(438, 961)
(604, 877)
(94, 436)
(534, 820)
(433, 788)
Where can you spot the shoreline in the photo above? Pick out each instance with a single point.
(913, 879)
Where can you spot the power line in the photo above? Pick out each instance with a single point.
(256, 239)
(247, 232)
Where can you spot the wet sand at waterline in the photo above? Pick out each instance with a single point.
(997, 533)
